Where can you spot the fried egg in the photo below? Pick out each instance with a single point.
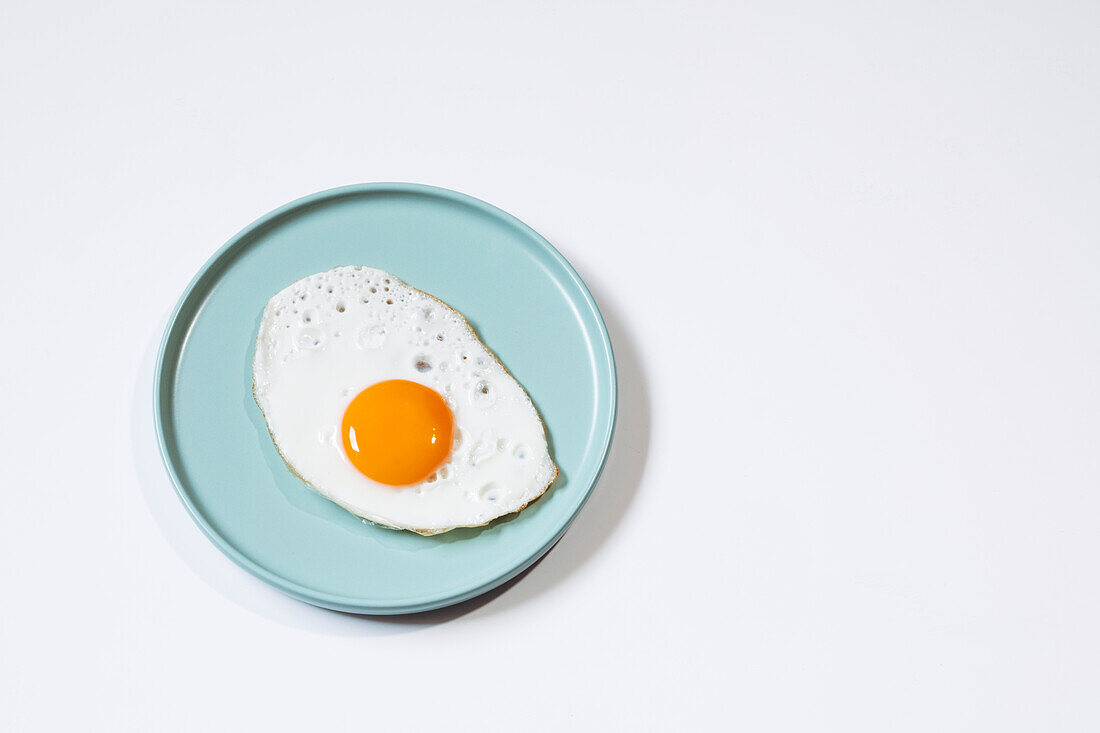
(382, 398)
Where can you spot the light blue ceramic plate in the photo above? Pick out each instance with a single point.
(522, 297)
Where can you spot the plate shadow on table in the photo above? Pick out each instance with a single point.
(601, 515)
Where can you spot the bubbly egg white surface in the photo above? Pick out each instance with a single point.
(327, 337)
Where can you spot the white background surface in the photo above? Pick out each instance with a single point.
(849, 256)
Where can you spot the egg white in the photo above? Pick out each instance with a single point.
(327, 337)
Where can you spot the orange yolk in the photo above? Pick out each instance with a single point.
(397, 432)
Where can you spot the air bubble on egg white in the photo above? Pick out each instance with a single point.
(310, 339)
(483, 395)
(520, 452)
(483, 449)
(490, 492)
(372, 337)
(328, 437)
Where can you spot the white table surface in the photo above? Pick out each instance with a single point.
(850, 260)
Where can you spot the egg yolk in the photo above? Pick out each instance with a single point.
(397, 432)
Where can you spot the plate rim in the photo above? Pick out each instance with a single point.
(346, 603)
